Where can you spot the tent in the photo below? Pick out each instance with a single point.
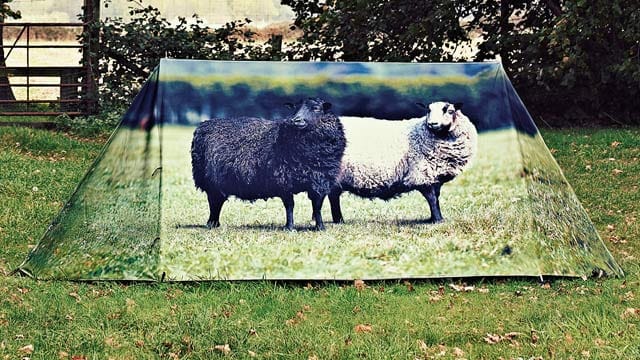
(137, 215)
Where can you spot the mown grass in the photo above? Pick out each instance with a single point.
(567, 319)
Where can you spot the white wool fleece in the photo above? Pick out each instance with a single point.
(385, 153)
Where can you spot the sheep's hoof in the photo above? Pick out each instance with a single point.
(319, 227)
(213, 224)
(338, 221)
(289, 228)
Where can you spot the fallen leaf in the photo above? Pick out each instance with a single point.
(585, 353)
(75, 296)
(422, 345)
(617, 171)
(546, 285)
(615, 144)
(511, 335)
(534, 337)
(251, 353)
(599, 342)
(130, 304)
(462, 288)
(492, 339)
(363, 328)
(457, 352)
(483, 290)
(111, 341)
(630, 313)
(588, 167)
(359, 284)
(78, 357)
(568, 338)
(63, 355)
(27, 349)
(409, 286)
(312, 357)
(139, 343)
(253, 332)
(225, 349)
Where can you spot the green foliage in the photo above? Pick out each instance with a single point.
(7, 12)
(360, 30)
(130, 50)
(92, 126)
(567, 58)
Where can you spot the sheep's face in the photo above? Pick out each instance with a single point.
(441, 116)
(309, 112)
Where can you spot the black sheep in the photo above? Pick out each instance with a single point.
(254, 158)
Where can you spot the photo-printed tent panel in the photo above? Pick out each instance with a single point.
(109, 229)
(138, 216)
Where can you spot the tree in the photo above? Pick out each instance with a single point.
(6, 93)
(130, 50)
(387, 30)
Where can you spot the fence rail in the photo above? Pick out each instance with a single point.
(75, 82)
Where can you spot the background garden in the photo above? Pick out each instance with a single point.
(574, 63)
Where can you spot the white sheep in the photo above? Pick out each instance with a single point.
(386, 158)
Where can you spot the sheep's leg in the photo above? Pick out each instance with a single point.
(316, 204)
(216, 200)
(432, 194)
(336, 211)
(287, 200)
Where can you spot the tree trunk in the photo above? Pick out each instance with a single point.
(504, 31)
(6, 93)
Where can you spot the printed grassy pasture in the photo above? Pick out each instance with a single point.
(489, 228)
(566, 318)
(124, 222)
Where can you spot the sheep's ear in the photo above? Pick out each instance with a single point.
(458, 106)
(289, 105)
(421, 105)
(326, 106)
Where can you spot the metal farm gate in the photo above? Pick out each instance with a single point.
(77, 82)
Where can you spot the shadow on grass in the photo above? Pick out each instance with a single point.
(263, 227)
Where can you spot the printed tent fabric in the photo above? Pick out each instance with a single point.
(137, 214)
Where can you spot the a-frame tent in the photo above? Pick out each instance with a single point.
(137, 215)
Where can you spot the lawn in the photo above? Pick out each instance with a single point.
(512, 318)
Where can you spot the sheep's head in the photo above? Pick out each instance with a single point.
(441, 116)
(308, 112)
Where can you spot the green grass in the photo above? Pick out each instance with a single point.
(134, 321)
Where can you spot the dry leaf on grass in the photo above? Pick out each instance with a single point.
(252, 353)
(496, 338)
(630, 313)
(78, 357)
(422, 345)
(462, 288)
(359, 284)
(615, 144)
(27, 349)
(492, 339)
(363, 328)
(457, 352)
(63, 355)
(225, 349)
(409, 286)
(75, 296)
